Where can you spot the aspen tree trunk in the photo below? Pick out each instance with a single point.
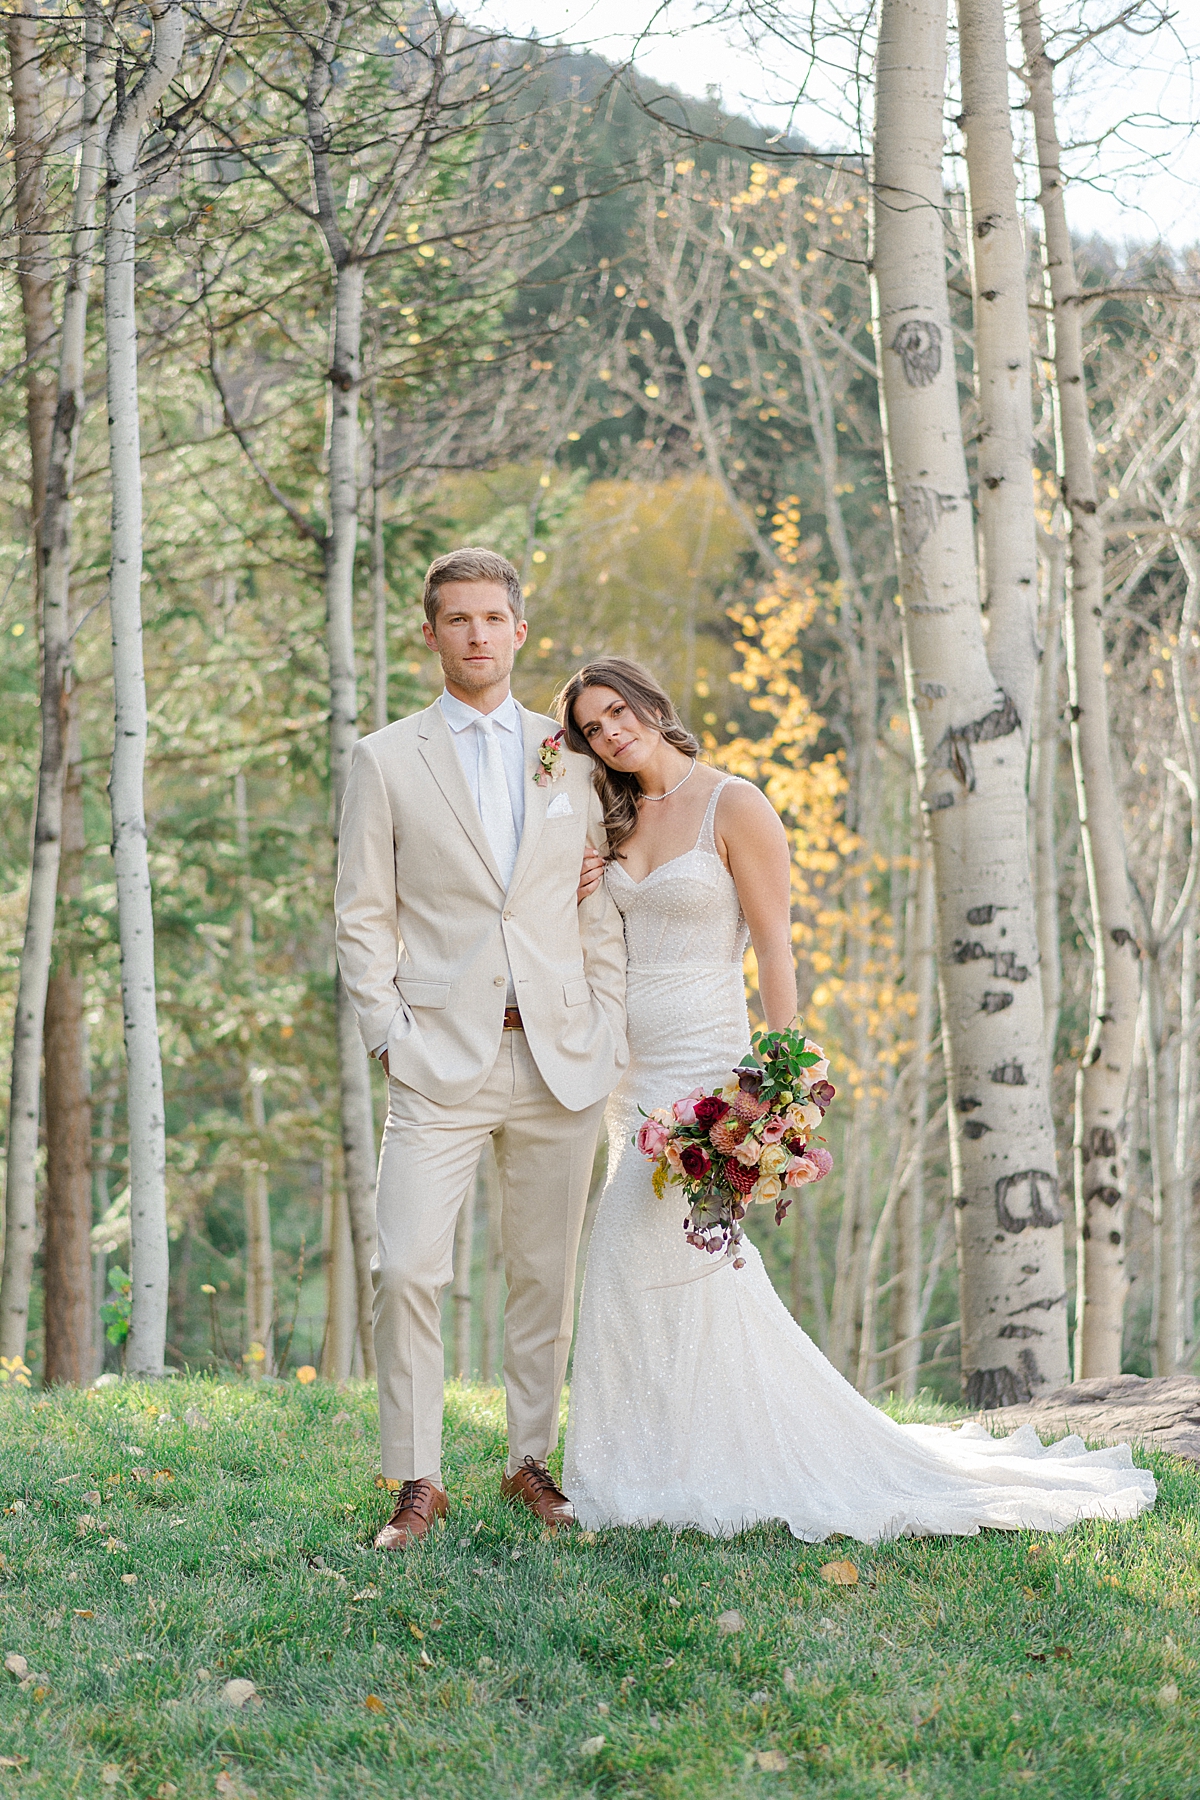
(341, 1291)
(67, 1247)
(149, 1250)
(464, 1244)
(969, 759)
(910, 1222)
(340, 545)
(53, 432)
(1101, 1145)
(1044, 786)
(1003, 378)
(1183, 1160)
(68, 1274)
(379, 619)
(256, 1192)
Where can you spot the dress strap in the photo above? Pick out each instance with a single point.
(707, 841)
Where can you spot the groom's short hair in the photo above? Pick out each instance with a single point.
(472, 564)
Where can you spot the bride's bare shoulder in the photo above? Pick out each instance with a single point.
(743, 811)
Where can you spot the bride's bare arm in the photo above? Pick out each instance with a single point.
(754, 844)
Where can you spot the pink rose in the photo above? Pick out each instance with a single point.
(748, 1152)
(774, 1128)
(799, 1170)
(652, 1138)
(685, 1109)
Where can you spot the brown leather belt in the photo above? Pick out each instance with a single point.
(512, 1019)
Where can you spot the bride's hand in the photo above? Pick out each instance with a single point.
(590, 875)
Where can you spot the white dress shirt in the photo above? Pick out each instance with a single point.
(506, 720)
(506, 723)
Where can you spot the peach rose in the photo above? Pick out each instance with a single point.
(674, 1159)
(748, 1152)
(766, 1190)
(799, 1170)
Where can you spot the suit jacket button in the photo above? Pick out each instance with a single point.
(498, 981)
(508, 915)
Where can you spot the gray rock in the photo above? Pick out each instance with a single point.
(1162, 1413)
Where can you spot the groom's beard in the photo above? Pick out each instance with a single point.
(477, 677)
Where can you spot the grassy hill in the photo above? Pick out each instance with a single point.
(152, 1558)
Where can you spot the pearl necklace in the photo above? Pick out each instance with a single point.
(657, 797)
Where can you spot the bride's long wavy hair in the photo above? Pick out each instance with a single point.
(649, 702)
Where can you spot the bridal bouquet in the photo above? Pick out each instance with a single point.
(751, 1140)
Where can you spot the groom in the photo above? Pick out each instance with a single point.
(497, 1008)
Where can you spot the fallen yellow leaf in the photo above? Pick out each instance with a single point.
(84, 1612)
(374, 1704)
(773, 1760)
(842, 1574)
(592, 1746)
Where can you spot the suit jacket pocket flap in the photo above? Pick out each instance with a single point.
(422, 993)
(577, 993)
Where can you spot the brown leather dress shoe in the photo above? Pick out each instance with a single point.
(418, 1504)
(533, 1486)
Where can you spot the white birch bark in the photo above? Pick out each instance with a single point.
(53, 436)
(1102, 1085)
(149, 1250)
(256, 1190)
(969, 759)
(1003, 378)
(340, 544)
(1044, 790)
(341, 1290)
(379, 618)
(910, 1221)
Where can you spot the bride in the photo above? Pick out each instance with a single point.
(696, 1399)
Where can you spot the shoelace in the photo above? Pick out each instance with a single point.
(541, 1478)
(409, 1494)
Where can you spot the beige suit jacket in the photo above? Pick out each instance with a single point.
(423, 921)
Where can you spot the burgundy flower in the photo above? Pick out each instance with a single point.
(711, 1110)
(740, 1178)
(749, 1080)
(696, 1161)
(821, 1093)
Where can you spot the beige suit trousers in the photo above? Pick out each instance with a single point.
(544, 1154)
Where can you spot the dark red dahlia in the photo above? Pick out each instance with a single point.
(710, 1111)
(696, 1161)
(740, 1178)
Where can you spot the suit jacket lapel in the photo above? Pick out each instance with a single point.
(441, 757)
(537, 799)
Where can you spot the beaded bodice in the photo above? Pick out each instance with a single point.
(686, 912)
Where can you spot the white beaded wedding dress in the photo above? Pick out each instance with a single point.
(696, 1399)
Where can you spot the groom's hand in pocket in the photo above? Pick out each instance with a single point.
(590, 875)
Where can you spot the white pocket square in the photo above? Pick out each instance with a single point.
(560, 807)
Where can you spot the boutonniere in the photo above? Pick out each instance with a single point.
(550, 760)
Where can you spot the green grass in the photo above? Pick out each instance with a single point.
(250, 1561)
